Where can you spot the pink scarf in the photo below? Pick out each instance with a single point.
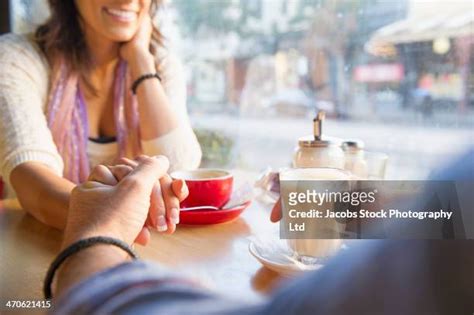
(67, 120)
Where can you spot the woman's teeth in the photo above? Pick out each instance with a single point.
(123, 15)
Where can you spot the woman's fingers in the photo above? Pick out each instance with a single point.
(171, 202)
(126, 161)
(157, 213)
(275, 216)
(143, 237)
(120, 171)
(180, 189)
(103, 175)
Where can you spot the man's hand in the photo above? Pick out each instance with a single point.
(121, 201)
(164, 207)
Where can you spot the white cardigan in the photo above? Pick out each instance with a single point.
(24, 133)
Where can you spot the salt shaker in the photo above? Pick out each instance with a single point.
(355, 157)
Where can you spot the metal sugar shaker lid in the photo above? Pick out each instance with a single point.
(317, 139)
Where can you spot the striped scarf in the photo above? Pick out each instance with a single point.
(67, 119)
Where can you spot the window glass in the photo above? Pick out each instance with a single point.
(396, 74)
(26, 15)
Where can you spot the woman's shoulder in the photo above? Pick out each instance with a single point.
(22, 62)
(21, 48)
(12, 42)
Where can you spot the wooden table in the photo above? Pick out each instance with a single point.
(216, 255)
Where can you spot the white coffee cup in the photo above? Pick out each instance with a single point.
(310, 250)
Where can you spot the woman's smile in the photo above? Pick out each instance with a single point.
(114, 20)
(121, 15)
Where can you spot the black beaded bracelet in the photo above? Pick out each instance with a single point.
(143, 78)
(73, 249)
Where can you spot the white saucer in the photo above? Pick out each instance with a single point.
(276, 256)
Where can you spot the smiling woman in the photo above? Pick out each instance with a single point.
(66, 103)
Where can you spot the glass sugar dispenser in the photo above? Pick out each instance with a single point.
(318, 150)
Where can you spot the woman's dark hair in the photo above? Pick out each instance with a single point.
(62, 35)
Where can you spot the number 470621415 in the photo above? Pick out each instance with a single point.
(28, 304)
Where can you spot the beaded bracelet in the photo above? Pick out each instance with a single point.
(76, 247)
(143, 78)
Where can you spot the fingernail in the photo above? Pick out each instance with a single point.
(162, 226)
(174, 216)
(184, 188)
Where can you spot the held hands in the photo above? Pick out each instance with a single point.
(124, 201)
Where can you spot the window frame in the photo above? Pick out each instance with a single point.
(5, 25)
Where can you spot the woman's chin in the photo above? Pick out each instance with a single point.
(122, 36)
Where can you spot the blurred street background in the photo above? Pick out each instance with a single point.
(414, 151)
(399, 75)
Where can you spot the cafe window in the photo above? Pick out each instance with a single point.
(26, 15)
(397, 75)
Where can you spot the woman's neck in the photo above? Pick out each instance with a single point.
(105, 55)
(104, 52)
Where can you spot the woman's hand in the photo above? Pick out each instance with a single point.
(139, 46)
(275, 215)
(117, 201)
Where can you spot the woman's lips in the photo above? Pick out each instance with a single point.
(121, 15)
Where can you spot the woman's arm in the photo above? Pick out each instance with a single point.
(156, 115)
(42, 193)
(164, 122)
(29, 160)
(163, 114)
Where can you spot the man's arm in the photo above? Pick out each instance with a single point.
(99, 279)
(114, 202)
(88, 262)
(387, 277)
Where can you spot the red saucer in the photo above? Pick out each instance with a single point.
(198, 217)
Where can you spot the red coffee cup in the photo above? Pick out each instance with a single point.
(207, 187)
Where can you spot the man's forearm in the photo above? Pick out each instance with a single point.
(86, 263)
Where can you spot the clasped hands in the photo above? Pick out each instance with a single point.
(125, 201)
(128, 199)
